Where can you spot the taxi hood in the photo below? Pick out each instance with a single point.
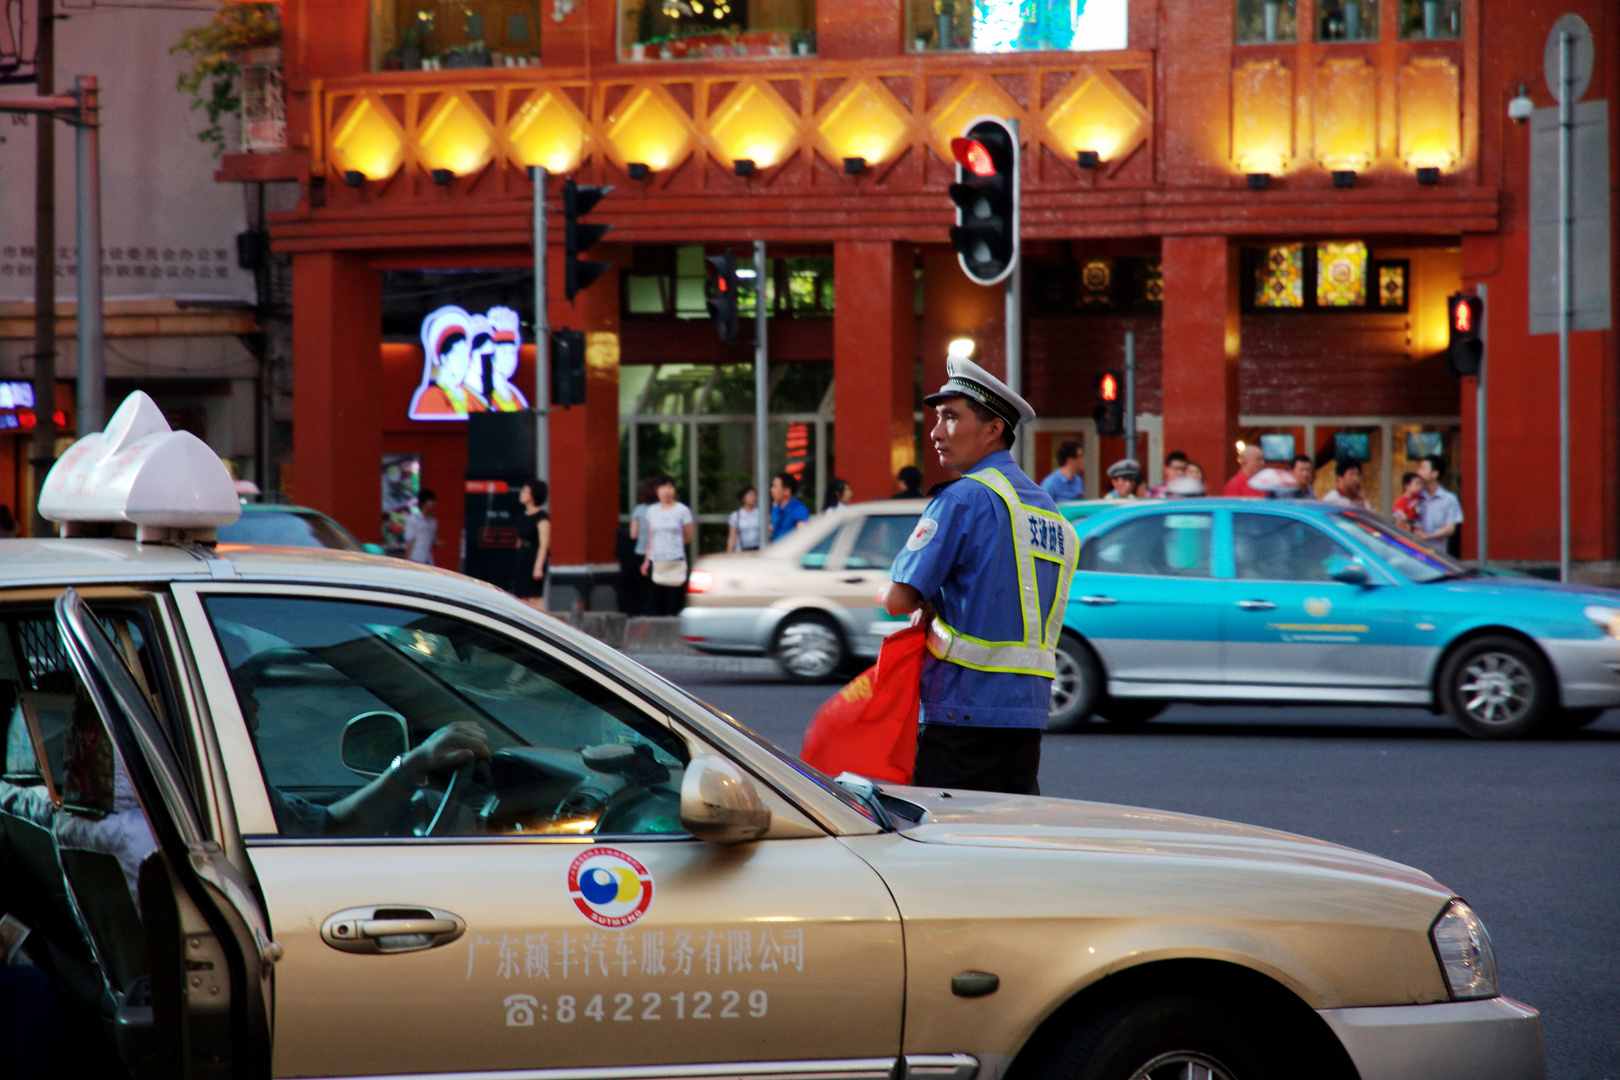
(981, 819)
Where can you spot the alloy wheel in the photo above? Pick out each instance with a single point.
(810, 649)
(1065, 682)
(1495, 688)
(1182, 1065)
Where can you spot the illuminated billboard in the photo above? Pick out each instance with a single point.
(468, 362)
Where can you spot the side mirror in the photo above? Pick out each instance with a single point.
(371, 742)
(721, 805)
(1352, 572)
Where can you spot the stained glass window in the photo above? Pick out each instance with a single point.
(1341, 275)
(1097, 283)
(1392, 285)
(1279, 281)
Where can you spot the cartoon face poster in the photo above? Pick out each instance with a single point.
(469, 362)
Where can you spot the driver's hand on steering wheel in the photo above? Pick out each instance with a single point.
(450, 747)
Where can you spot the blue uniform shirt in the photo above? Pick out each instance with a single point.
(786, 518)
(1062, 489)
(961, 558)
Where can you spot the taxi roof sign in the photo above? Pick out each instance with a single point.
(140, 471)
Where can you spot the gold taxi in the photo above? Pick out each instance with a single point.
(306, 813)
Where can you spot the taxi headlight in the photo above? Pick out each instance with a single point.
(1464, 949)
(1606, 618)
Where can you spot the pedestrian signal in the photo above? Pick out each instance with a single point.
(1110, 410)
(986, 196)
(567, 368)
(578, 237)
(722, 290)
(1465, 347)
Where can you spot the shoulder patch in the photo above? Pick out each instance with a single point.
(924, 532)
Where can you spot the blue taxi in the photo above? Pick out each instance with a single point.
(1229, 600)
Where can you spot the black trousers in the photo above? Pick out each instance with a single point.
(979, 759)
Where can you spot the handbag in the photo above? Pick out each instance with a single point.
(870, 726)
(669, 574)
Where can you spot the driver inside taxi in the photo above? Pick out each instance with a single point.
(372, 809)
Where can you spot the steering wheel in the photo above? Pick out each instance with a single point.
(583, 801)
(454, 795)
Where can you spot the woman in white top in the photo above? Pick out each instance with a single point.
(745, 522)
(839, 494)
(669, 530)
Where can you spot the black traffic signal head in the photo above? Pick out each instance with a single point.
(1465, 347)
(986, 196)
(578, 237)
(1110, 411)
(567, 367)
(722, 290)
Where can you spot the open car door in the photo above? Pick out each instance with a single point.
(208, 944)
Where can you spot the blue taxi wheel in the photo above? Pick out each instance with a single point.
(1077, 685)
(1498, 688)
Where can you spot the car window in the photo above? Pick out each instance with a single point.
(288, 529)
(879, 541)
(1407, 556)
(569, 755)
(1271, 547)
(816, 557)
(1165, 545)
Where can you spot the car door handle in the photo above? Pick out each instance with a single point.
(390, 929)
(1098, 601)
(1256, 605)
(854, 581)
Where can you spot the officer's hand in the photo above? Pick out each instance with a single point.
(923, 615)
(450, 747)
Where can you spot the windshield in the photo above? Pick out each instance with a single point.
(1404, 554)
(288, 528)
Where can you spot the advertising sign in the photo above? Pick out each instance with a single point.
(468, 363)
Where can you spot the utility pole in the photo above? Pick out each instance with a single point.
(542, 333)
(92, 376)
(1566, 287)
(43, 454)
(762, 393)
(1130, 394)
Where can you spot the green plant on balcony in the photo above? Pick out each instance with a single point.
(213, 77)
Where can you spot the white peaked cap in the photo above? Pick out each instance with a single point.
(964, 378)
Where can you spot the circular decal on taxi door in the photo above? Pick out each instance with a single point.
(609, 887)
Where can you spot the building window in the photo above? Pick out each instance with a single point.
(1341, 275)
(989, 26)
(1264, 22)
(1279, 279)
(1100, 285)
(1347, 20)
(474, 34)
(1392, 284)
(1431, 20)
(675, 281)
(715, 29)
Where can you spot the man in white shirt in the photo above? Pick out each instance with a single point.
(1439, 512)
(1347, 492)
(422, 529)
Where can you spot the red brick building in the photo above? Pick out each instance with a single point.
(1303, 306)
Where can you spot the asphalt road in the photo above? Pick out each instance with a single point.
(1528, 832)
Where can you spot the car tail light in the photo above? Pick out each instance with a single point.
(700, 581)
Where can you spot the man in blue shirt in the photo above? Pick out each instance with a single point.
(787, 512)
(1065, 483)
(987, 568)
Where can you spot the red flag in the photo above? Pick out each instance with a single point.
(870, 726)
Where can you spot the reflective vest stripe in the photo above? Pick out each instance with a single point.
(1034, 654)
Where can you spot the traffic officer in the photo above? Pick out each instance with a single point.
(1126, 477)
(988, 569)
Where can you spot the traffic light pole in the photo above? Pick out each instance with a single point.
(1480, 419)
(762, 393)
(92, 376)
(1566, 291)
(1014, 317)
(542, 333)
(1130, 394)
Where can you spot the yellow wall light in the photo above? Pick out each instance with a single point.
(1262, 117)
(367, 140)
(753, 124)
(456, 136)
(648, 129)
(547, 131)
(1096, 115)
(865, 123)
(1430, 113)
(1346, 114)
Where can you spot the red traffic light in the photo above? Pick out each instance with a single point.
(722, 283)
(1462, 318)
(973, 156)
(1108, 388)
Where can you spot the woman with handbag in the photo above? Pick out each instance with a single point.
(669, 531)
